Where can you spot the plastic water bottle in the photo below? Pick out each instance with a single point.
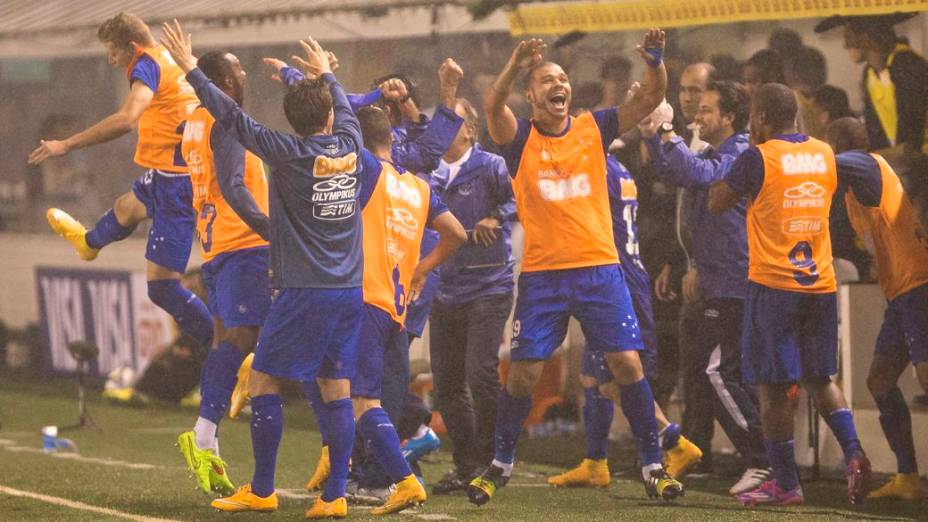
(50, 439)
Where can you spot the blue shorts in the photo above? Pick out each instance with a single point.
(238, 287)
(311, 333)
(788, 336)
(418, 312)
(377, 332)
(594, 363)
(168, 200)
(905, 326)
(596, 296)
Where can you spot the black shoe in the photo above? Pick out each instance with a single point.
(481, 489)
(452, 482)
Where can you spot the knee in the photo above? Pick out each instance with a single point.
(362, 405)
(129, 210)
(611, 391)
(625, 366)
(878, 385)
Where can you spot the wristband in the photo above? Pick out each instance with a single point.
(656, 54)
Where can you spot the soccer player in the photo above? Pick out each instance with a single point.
(159, 100)
(312, 329)
(230, 199)
(897, 239)
(720, 252)
(790, 316)
(397, 206)
(558, 168)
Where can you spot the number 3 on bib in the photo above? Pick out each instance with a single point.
(806, 273)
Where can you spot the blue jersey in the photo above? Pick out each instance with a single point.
(623, 203)
(315, 222)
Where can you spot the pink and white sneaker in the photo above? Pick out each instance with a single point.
(770, 494)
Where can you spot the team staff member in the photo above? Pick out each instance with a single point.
(558, 168)
(898, 240)
(790, 316)
(473, 299)
(720, 253)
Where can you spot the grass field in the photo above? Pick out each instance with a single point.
(129, 464)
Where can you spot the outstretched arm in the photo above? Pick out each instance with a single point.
(109, 128)
(653, 86)
(501, 122)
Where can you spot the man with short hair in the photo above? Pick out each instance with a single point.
(312, 329)
(473, 300)
(720, 254)
(231, 201)
(790, 316)
(159, 100)
(558, 168)
(894, 235)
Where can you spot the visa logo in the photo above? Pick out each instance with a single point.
(326, 167)
(803, 163)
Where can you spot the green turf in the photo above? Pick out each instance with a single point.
(147, 436)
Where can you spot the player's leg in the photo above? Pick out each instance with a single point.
(538, 328)
(168, 250)
(314, 397)
(819, 353)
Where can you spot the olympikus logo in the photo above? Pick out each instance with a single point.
(326, 167)
(803, 163)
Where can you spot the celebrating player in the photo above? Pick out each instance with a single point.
(790, 316)
(895, 236)
(230, 199)
(312, 330)
(159, 100)
(558, 169)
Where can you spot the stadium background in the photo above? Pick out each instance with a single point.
(53, 77)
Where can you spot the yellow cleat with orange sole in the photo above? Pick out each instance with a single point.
(408, 493)
(71, 229)
(244, 500)
(588, 474)
(338, 508)
(904, 486)
(321, 473)
(680, 458)
(240, 392)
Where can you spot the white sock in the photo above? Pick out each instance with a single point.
(421, 432)
(646, 470)
(205, 432)
(507, 468)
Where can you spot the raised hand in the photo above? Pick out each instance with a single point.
(393, 90)
(317, 61)
(277, 65)
(652, 48)
(449, 72)
(663, 113)
(527, 53)
(179, 45)
(333, 60)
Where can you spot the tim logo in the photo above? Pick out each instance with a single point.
(803, 163)
(326, 167)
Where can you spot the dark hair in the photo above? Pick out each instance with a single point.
(769, 64)
(407, 81)
(733, 99)
(808, 65)
(375, 127)
(778, 105)
(726, 67)
(877, 28)
(846, 134)
(215, 66)
(834, 100)
(307, 105)
(616, 67)
(784, 41)
(123, 29)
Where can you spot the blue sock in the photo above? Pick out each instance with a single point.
(380, 436)
(783, 461)
(896, 421)
(314, 396)
(638, 407)
(267, 426)
(190, 314)
(510, 416)
(107, 230)
(217, 380)
(841, 423)
(597, 418)
(340, 427)
(671, 435)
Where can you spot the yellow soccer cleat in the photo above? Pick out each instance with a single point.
(588, 474)
(71, 229)
(408, 493)
(240, 393)
(338, 508)
(904, 486)
(322, 471)
(661, 485)
(680, 458)
(244, 500)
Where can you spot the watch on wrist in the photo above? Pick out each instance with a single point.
(665, 128)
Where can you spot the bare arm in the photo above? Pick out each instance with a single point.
(501, 122)
(452, 235)
(109, 128)
(653, 86)
(722, 197)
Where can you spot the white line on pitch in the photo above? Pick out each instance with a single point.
(77, 457)
(80, 505)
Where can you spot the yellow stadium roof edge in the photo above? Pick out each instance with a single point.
(562, 17)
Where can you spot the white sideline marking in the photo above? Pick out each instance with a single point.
(8, 445)
(80, 505)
